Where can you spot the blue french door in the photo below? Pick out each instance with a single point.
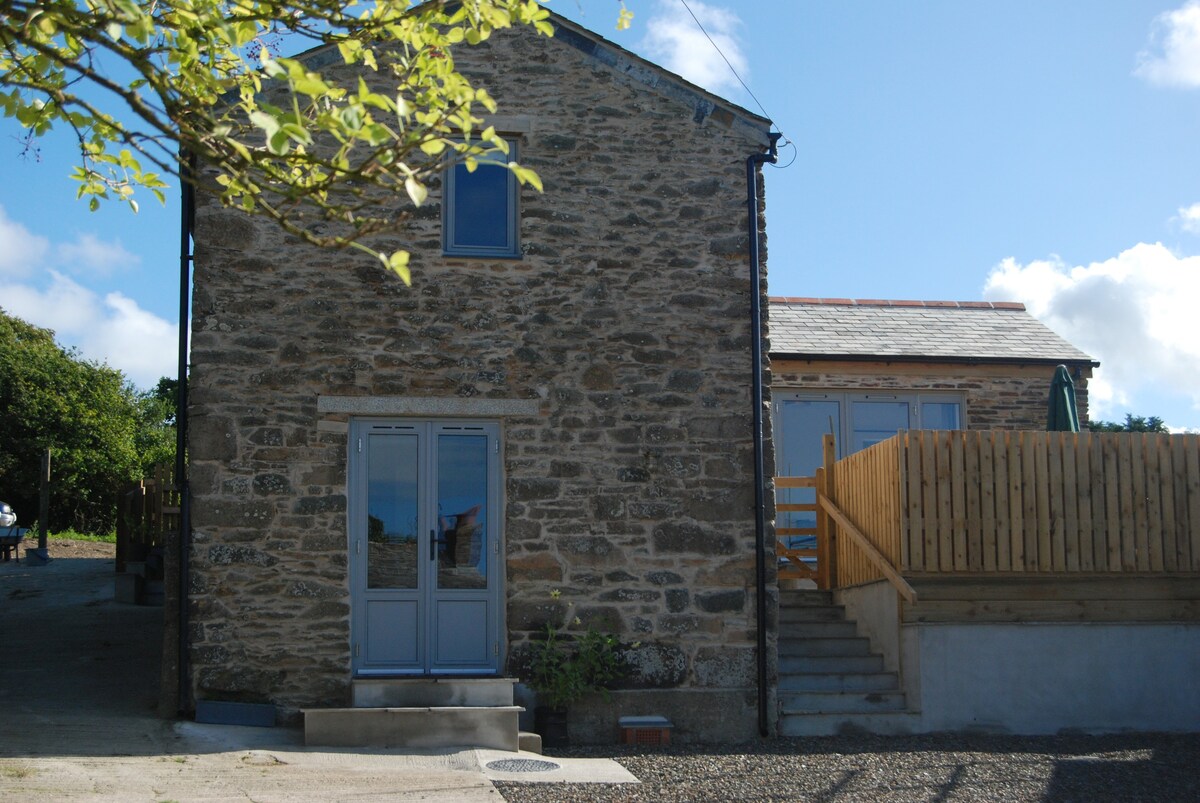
(424, 518)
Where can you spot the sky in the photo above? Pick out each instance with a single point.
(1042, 151)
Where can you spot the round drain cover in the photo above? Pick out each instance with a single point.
(521, 765)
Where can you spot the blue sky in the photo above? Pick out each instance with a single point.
(1043, 152)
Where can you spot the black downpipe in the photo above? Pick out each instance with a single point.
(187, 222)
(756, 339)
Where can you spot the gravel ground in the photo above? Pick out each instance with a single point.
(1087, 769)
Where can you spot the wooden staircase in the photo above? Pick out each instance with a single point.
(829, 680)
(423, 713)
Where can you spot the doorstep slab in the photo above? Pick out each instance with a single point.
(492, 727)
(431, 692)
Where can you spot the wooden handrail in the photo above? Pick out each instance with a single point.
(795, 482)
(873, 554)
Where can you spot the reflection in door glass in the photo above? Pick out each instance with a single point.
(462, 511)
(940, 415)
(875, 421)
(392, 544)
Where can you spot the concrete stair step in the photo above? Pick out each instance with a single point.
(788, 598)
(834, 664)
(812, 613)
(431, 692)
(493, 727)
(890, 723)
(530, 742)
(827, 702)
(820, 629)
(838, 681)
(853, 646)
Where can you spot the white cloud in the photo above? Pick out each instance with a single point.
(111, 329)
(1135, 313)
(91, 254)
(1173, 58)
(675, 41)
(24, 254)
(1189, 218)
(20, 249)
(106, 327)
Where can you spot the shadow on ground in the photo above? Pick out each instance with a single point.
(81, 671)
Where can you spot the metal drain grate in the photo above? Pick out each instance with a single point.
(522, 765)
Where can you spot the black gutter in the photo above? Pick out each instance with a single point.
(187, 174)
(756, 349)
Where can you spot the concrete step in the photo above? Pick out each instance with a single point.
(890, 723)
(835, 681)
(431, 692)
(855, 645)
(819, 629)
(493, 727)
(818, 702)
(835, 664)
(811, 613)
(530, 742)
(788, 598)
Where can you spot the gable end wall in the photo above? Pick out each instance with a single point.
(626, 324)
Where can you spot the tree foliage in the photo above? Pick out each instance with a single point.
(136, 81)
(1132, 423)
(155, 436)
(101, 433)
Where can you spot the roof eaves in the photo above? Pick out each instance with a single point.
(705, 104)
(940, 359)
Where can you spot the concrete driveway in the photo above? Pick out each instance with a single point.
(78, 690)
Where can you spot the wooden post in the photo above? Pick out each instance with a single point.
(44, 503)
(828, 460)
(40, 555)
(823, 575)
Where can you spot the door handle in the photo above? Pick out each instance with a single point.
(433, 544)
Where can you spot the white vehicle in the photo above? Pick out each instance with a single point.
(7, 517)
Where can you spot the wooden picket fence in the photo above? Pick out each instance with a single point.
(1000, 503)
(1103, 503)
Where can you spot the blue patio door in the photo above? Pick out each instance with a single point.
(424, 547)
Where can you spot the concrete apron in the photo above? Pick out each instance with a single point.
(286, 745)
(80, 676)
(187, 761)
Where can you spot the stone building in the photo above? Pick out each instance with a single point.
(554, 421)
(867, 368)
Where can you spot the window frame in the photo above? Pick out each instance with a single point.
(512, 247)
(845, 436)
(846, 399)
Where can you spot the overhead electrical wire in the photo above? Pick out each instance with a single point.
(787, 141)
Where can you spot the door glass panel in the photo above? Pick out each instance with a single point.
(875, 421)
(392, 543)
(802, 423)
(940, 415)
(462, 546)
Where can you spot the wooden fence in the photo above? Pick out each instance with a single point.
(146, 511)
(984, 502)
(1007, 502)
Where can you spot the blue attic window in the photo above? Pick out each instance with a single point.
(479, 211)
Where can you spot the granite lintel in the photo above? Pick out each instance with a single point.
(428, 406)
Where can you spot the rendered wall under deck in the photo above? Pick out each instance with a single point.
(1035, 678)
(1043, 678)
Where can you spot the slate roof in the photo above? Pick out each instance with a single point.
(974, 331)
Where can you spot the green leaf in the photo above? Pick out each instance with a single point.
(398, 263)
(416, 190)
(433, 147)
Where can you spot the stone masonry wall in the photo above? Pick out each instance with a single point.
(627, 320)
(997, 396)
